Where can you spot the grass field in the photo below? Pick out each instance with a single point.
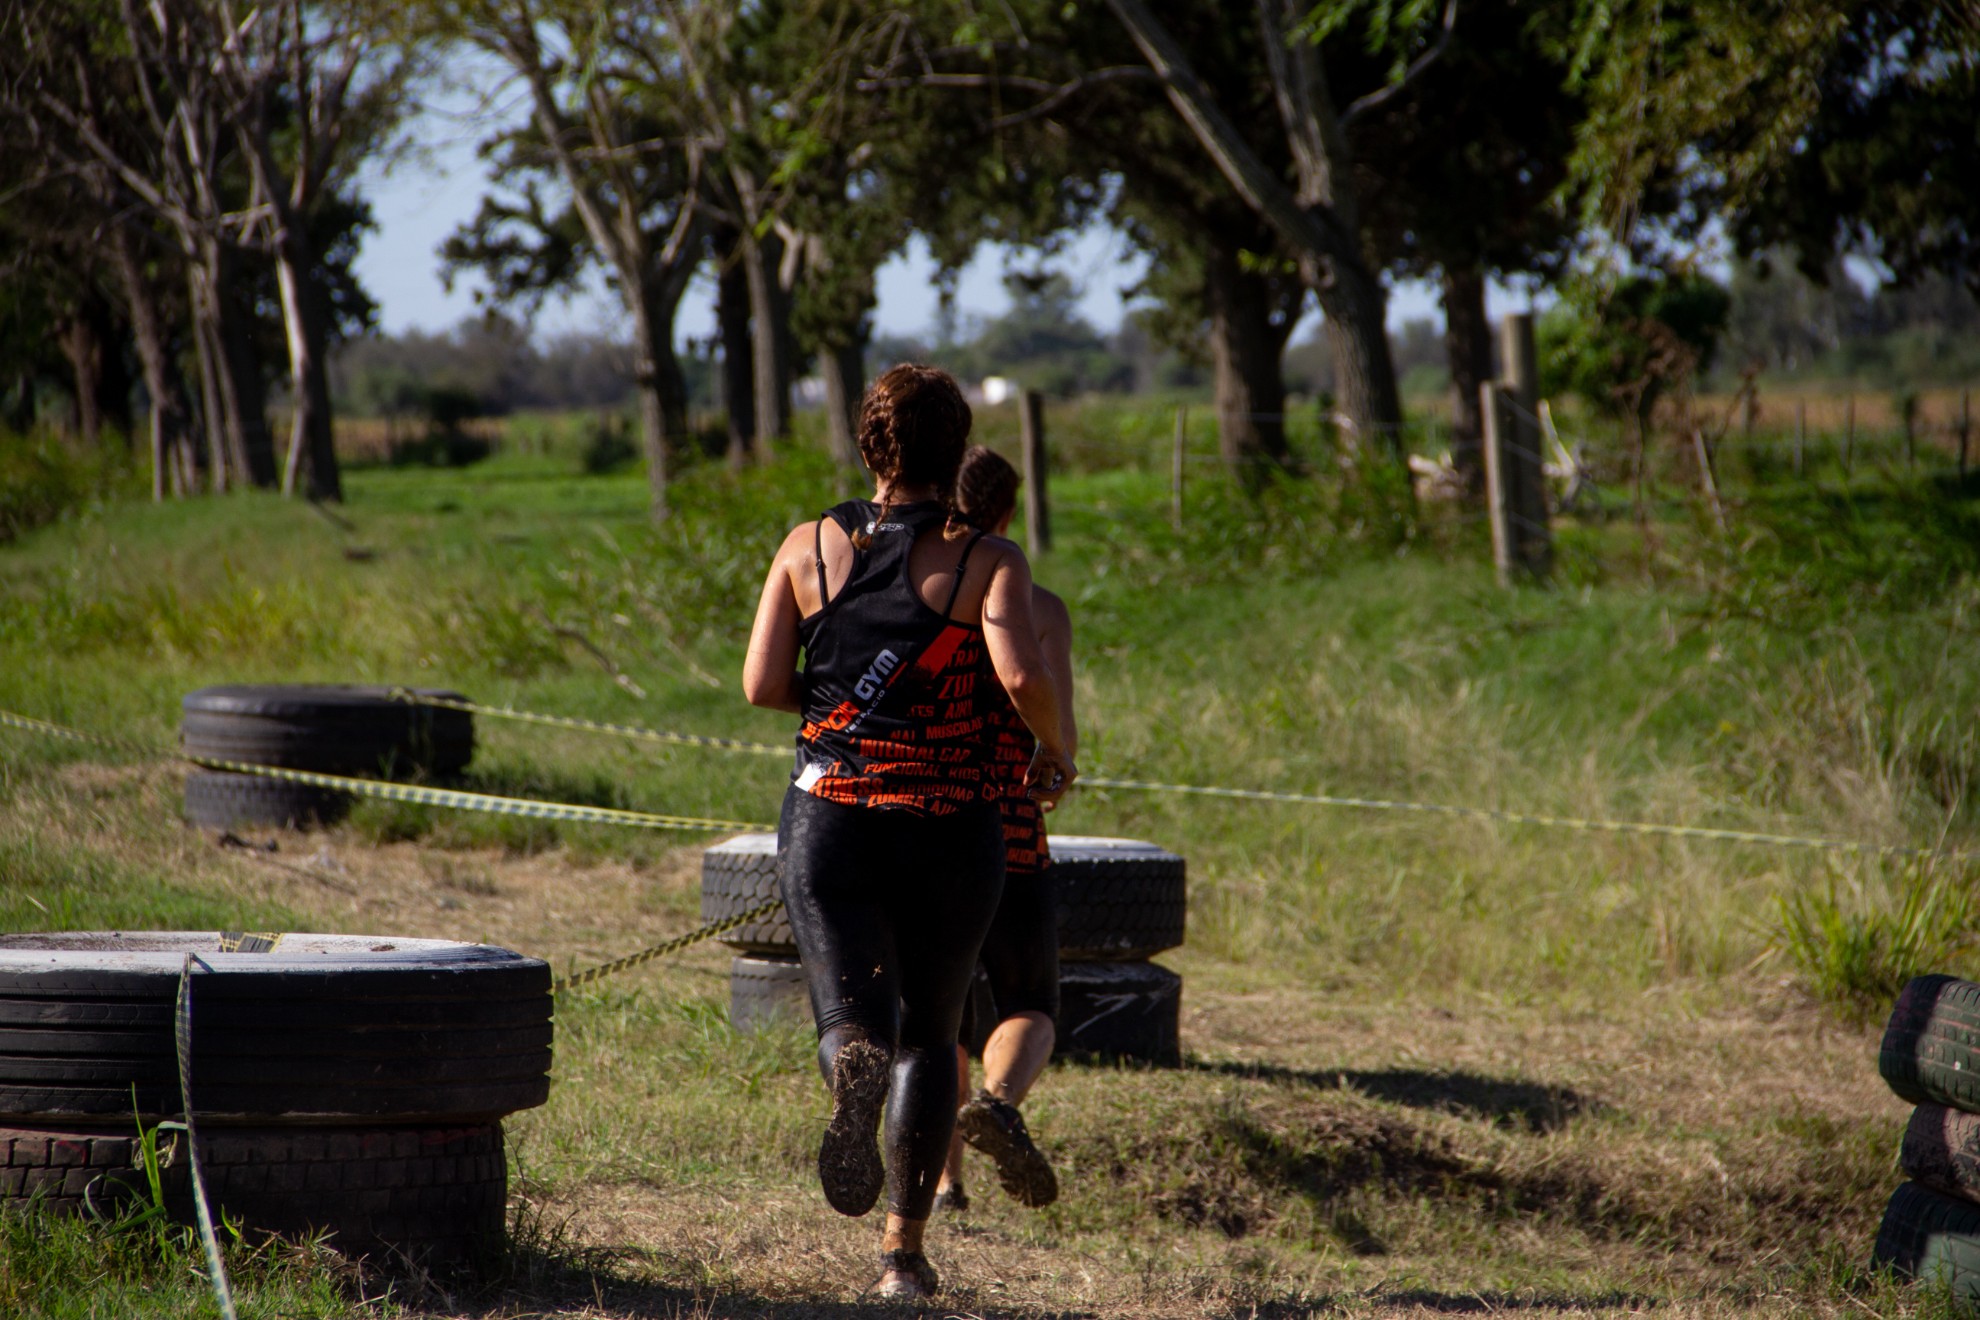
(1433, 1065)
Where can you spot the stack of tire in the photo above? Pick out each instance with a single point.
(342, 1084)
(1120, 903)
(331, 729)
(1931, 1057)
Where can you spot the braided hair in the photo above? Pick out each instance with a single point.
(913, 427)
(986, 488)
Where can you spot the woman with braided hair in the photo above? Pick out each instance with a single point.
(1021, 953)
(890, 845)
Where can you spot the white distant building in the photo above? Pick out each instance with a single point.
(996, 389)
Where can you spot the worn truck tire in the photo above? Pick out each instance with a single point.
(1942, 1150)
(737, 875)
(1931, 1048)
(1119, 900)
(1928, 1235)
(336, 729)
(221, 800)
(322, 1029)
(1127, 1010)
(437, 1195)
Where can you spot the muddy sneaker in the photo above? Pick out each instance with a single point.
(997, 1129)
(952, 1199)
(849, 1167)
(908, 1277)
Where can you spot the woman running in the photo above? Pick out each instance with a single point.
(891, 851)
(1021, 953)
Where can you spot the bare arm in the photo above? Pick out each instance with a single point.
(1011, 636)
(770, 672)
(1055, 640)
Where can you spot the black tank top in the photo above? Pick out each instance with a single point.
(895, 693)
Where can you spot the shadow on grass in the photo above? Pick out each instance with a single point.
(1535, 1107)
(553, 1281)
(1475, 1303)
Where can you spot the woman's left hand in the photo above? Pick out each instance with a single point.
(1052, 772)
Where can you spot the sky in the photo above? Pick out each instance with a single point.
(421, 196)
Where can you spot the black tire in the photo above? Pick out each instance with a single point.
(1942, 1151)
(1120, 1010)
(323, 1029)
(332, 728)
(435, 1194)
(764, 990)
(222, 800)
(737, 875)
(1931, 1048)
(1119, 900)
(1928, 1235)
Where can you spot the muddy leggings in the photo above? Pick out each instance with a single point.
(889, 910)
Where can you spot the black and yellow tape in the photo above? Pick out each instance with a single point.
(463, 800)
(1595, 825)
(661, 950)
(250, 941)
(634, 731)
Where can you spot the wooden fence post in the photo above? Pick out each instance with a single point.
(1176, 470)
(1515, 498)
(1031, 435)
(1849, 435)
(1800, 433)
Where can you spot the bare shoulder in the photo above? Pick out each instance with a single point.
(998, 551)
(1049, 611)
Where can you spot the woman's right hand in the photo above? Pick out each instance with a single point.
(1052, 772)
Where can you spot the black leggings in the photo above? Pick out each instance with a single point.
(1021, 952)
(889, 910)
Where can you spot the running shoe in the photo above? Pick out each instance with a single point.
(849, 1167)
(952, 1199)
(920, 1284)
(997, 1129)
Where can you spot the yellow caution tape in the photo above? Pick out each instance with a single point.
(1528, 818)
(462, 800)
(591, 726)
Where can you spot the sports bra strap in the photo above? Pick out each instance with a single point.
(818, 558)
(962, 566)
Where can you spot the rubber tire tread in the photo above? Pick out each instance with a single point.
(735, 877)
(334, 729)
(1930, 1053)
(463, 983)
(1112, 908)
(1926, 1234)
(264, 1106)
(1120, 1010)
(223, 800)
(1942, 1151)
(1118, 909)
(341, 1043)
(437, 1194)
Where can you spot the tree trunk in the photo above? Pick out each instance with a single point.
(1246, 350)
(769, 336)
(1318, 223)
(658, 383)
(169, 414)
(77, 336)
(1354, 306)
(844, 370)
(240, 429)
(1468, 350)
(738, 358)
(312, 449)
